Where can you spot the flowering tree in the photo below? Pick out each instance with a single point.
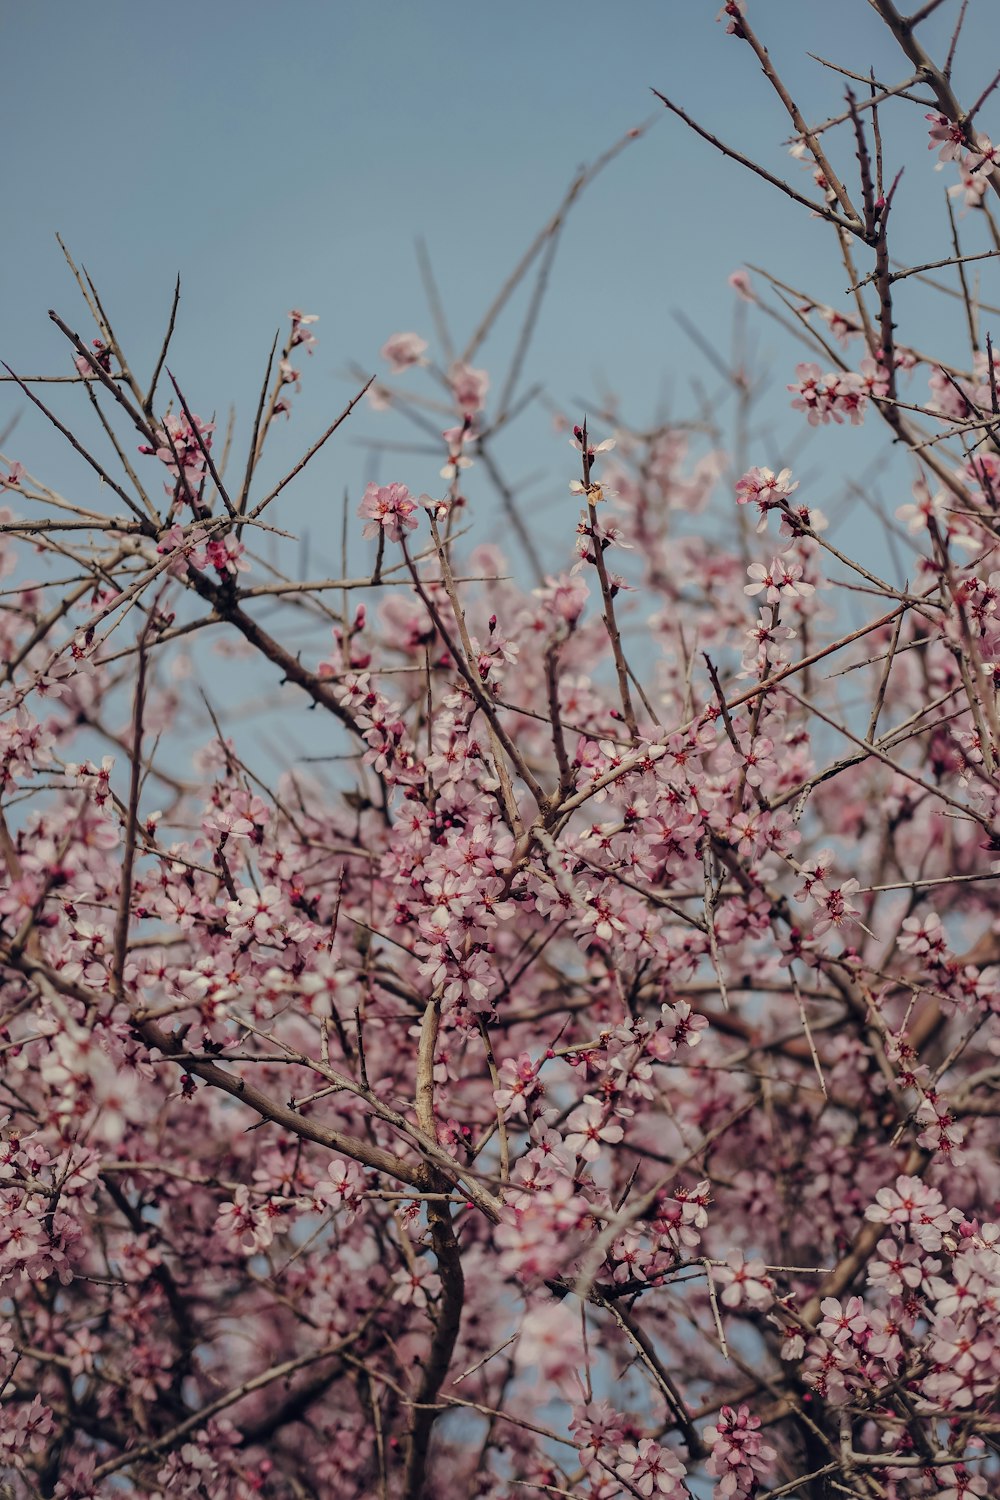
(589, 1087)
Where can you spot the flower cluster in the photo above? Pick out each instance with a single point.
(182, 447)
(830, 397)
(563, 986)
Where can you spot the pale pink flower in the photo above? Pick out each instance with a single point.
(842, 1323)
(588, 1126)
(782, 578)
(744, 1281)
(550, 1342)
(829, 397)
(389, 509)
(469, 386)
(742, 285)
(403, 350)
(652, 1469)
(947, 135)
(740, 1457)
(922, 935)
(415, 1286)
(765, 489)
(518, 1082)
(255, 914)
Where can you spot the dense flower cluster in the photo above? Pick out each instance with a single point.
(587, 1081)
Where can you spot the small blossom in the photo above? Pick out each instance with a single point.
(765, 489)
(651, 1469)
(403, 350)
(589, 1126)
(415, 1286)
(947, 136)
(744, 1281)
(468, 386)
(388, 509)
(742, 285)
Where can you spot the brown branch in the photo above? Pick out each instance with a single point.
(148, 526)
(206, 452)
(582, 180)
(170, 1439)
(447, 1321)
(253, 453)
(120, 953)
(147, 405)
(822, 210)
(746, 31)
(938, 78)
(310, 453)
(136, 417)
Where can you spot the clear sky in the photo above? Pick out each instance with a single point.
(288, 155)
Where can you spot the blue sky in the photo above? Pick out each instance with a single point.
(281, 156)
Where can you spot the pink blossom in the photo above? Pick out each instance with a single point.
(469, 386)
(416, 1285)
(922, 935)
(766, 489)
(842, 1323)
(833, 905)
(947, 135)
(899, 1267)
(497, 973)
(928, 508)
(389, 511)
(550, 1342)
(744, 1281)
(782, 578)
(651, 1469)
(913, 1206)
(589, 1126)
(518, 1083)
(255, 914)
(344, 1191)
(227, 555)
(734, 9)
(301, 336)
(740, 1458)
(180, 447)
(403, 350)
(829, 397)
